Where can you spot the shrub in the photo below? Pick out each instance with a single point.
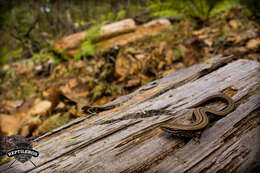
(87, 48)
(201, 9)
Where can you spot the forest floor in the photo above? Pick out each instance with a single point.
(32, 90)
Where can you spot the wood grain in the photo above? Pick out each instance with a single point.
(131, 141)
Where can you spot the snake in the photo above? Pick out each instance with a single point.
(200, 117)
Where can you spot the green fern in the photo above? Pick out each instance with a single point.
(87, 48)
(202, 9)
(223, 5)
(5, 55)
(121, 15)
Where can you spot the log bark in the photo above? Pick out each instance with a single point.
(115, 34)
(107, 31)
(127, 138)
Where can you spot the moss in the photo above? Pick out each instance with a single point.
(5, 159)
(59, 55)
(178, 53)
(54, 122)
(114, 90)
(107, 71)
(98, 91)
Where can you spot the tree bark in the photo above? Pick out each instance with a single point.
(127, 138)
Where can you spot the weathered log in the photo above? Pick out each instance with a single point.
(118, 33)
(127, 138)
(152, 28)
(107, 31)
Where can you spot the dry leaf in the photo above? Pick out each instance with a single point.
(253, 44)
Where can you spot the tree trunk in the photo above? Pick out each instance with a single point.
(127, 138)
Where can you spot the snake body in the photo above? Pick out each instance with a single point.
(200, 116)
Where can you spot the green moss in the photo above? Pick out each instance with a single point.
(56, 121)
(59, 55)
(5, 159)
(98, 91)
(178, 53)
(107, 71)
(115, 90)
(23, 89)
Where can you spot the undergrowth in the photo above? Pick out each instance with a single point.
(87, 48)
(196, 9)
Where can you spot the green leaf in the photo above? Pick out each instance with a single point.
(121, 15)
(5, 55)
(87, 48)
(223, 5)
(93, 32)
(202, 9)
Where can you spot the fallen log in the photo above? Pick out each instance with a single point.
(107, 31)
(115, 34)
(126, 138)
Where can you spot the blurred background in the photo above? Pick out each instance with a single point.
(42, 78)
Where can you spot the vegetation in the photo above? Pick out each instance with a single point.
(87, 47)
(196, 9)
(34, 25)
(45, 21)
